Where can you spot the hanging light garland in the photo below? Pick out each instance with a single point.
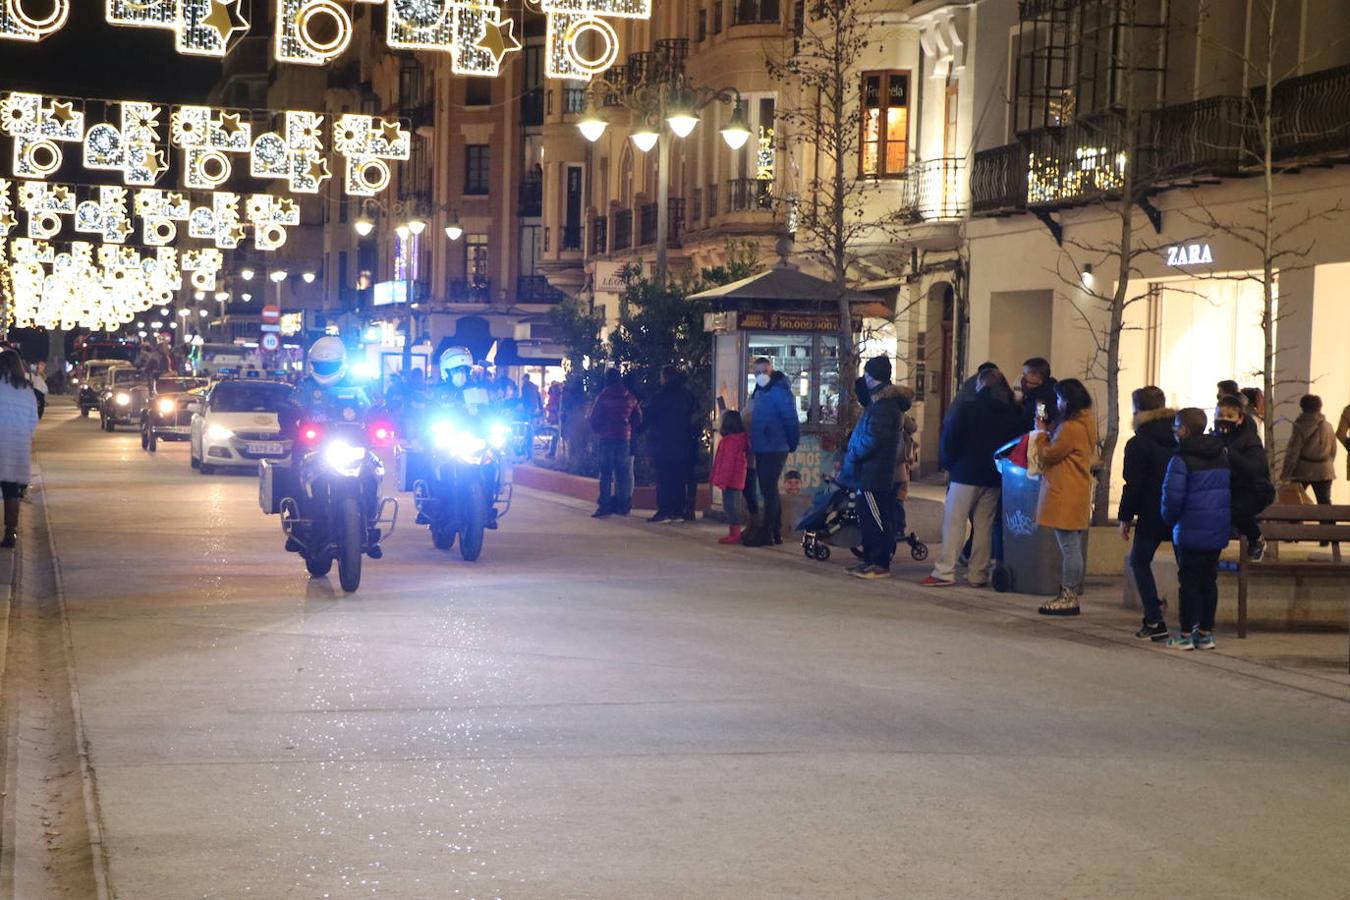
(476, 33)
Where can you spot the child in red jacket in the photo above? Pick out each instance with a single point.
(728, 472)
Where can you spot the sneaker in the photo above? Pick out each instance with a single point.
(659, 518)
(855, 569)
(9, 539)
(1256, 549)
(934, 581)
(600, 514)
(1181, 642)
(1204, 641)
(871, 573)
(1156, 632)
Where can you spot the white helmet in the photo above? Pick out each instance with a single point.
(328, 360)
(455, 358)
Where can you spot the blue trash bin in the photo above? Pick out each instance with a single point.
(1030, 563)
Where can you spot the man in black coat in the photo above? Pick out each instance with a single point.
(668, 424)
(966, 449)
(1146, 457)
(869, 467)
(1037, 387)
(1252, 487)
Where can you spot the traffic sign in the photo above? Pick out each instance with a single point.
(271, 342)
(271, 314)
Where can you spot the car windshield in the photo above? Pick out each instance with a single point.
(176, 385)
(238, 397)
(125, 376)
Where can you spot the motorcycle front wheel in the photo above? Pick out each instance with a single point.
(318, 567)
(349, 544)
(442, 536)
(472, 515)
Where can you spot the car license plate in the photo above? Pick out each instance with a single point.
(272, 447)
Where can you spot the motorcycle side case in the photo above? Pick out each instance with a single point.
(276, 480)
(411, 466)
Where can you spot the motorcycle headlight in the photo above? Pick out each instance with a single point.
(499, 433)
(122, 398)
(457, 443)
(219, 433)
(165, 406)
(343, 457)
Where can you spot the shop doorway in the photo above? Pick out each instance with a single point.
(1201, 331)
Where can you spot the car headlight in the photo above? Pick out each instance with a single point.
(74, 381)
(165, 406)
(219, 433)
(122, 398)
(499, 433)
(343, 457)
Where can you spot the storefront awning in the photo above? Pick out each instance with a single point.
(778, 288)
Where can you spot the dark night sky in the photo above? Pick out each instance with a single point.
(90, 58)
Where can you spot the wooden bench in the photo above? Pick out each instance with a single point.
(1296, 522)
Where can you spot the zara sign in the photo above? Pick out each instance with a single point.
(1189, 255)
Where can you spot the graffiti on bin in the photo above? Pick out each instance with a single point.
(1020, 523)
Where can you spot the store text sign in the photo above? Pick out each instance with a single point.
(1189, 255)
(807, 322)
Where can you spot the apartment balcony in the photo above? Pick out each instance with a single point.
(649, 216)
(623, 230)
(531, 197)
(749, 195)
(934, 189)
(536, 289)
(1311, 112)
(998, 180)
(599, 236)
(1209, 136)
(573, 101)
(477, 290)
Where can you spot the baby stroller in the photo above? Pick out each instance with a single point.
(832, 511)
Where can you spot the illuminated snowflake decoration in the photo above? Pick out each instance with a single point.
(270, 217)
(45, 204)
(159, 212)
(366, 143)
(204, 264)
(39, 125)
(219, 222)
(297, 156)
(107, 216)
(206, 136)
(132, 149)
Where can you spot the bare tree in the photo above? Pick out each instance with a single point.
(1262, 127)
(839, 216)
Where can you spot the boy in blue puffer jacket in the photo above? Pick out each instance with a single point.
(1196, 498)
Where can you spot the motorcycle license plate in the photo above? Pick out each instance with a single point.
(268, 447)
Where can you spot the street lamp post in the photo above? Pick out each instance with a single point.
(664, 97)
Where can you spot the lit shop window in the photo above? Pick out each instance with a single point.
(885, 126)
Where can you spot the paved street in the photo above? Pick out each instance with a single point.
(611, 709)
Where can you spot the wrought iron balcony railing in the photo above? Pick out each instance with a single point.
(748, 194)
(935, 189)
(599, 235)
(475, 290)
(531, 196)
(536, 289)
(998, 179)
(623, 229)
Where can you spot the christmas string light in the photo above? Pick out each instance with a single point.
(205, 136)
(568, 22)
(45, 204)
(219, 222)
(299, 41)
(160, 211)
(270, 216)
(7, 218)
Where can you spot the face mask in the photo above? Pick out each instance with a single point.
(1225, 425)
(762, 380)
(459, 379)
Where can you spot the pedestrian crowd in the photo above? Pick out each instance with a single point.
(1185, 483)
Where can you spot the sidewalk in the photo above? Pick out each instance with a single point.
(1314, 661)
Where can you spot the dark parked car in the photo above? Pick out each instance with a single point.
(122, 398)
(168, 409)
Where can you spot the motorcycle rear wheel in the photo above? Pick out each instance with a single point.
(349, 544)
(473, 513)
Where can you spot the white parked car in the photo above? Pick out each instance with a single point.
(237, 425)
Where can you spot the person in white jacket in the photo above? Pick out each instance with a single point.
(18, 421)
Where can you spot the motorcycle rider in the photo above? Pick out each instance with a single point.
(457, 390)
(325, 394)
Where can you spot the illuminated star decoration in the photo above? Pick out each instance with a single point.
(499, 39)
(226, 18)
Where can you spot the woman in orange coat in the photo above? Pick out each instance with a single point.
(1065, 504)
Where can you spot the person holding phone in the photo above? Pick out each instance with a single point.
(1067, 456)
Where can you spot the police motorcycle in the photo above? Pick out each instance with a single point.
(458, 468)
(328, 492)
